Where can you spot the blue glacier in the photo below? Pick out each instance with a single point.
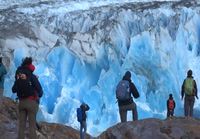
(80, 55)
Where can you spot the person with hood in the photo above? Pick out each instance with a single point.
(81, 115)
(28, 90)
(3, 72)
(189, 90)
(170, 106)
(124, 90)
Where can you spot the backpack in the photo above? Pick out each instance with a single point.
(171, 104)
(79, 114)
(123, 90)
(189, 86)
(24, 85)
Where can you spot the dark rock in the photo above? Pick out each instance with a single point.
(176, 128)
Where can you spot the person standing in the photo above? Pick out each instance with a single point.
(3, 72)
(189, 90)
(125, 101)
(81, 116)
(28, 89)
(170, 106)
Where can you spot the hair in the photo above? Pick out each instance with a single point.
(127, 75)
(189, 73)
(0, 59)
(83, 105)
(170, 96)
(26, 61)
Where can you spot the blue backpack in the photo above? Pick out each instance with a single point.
(79, 114)
(123, 90)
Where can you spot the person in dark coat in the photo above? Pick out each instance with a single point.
(189, 90)
(28, 105)
(83, 125)
(2, 74)
(128, 104)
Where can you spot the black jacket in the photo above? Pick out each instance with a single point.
(84, 108)
(34, 80)
(133, 91)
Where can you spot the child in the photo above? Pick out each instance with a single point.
(170, 106)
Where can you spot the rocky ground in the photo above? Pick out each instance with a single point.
(8, 125)
(176, 128)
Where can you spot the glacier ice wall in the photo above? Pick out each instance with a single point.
(81, 55)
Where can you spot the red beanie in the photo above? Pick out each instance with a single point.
(31, 67)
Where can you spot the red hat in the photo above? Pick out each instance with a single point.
(31, 67)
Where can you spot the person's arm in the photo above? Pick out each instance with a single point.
(17, 72)
(37, 85)
(2, 71)
(14, 87)
(134, 90)
(182, 90)
(195, 89)
(167, 104)
(174, 104)
(87, 107)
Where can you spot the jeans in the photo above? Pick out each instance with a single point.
(83, 129)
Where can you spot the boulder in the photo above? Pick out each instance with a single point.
(175, 128)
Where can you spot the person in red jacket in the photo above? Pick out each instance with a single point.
(170, 106)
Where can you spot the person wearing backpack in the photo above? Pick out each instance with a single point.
(28, 91)
(28, 64)
(81, 117)
(2, 74)
(170, 106)
(125, 101)
(189, 90)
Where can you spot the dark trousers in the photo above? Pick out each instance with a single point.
(83, 129)
(170, 113)
(188, 105)
(27, 110)
(123, 112)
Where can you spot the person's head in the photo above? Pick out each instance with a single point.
(127, 75)
(83, 105)
(170, 96)
(27, 61)
(0, 59)
(189, 73)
